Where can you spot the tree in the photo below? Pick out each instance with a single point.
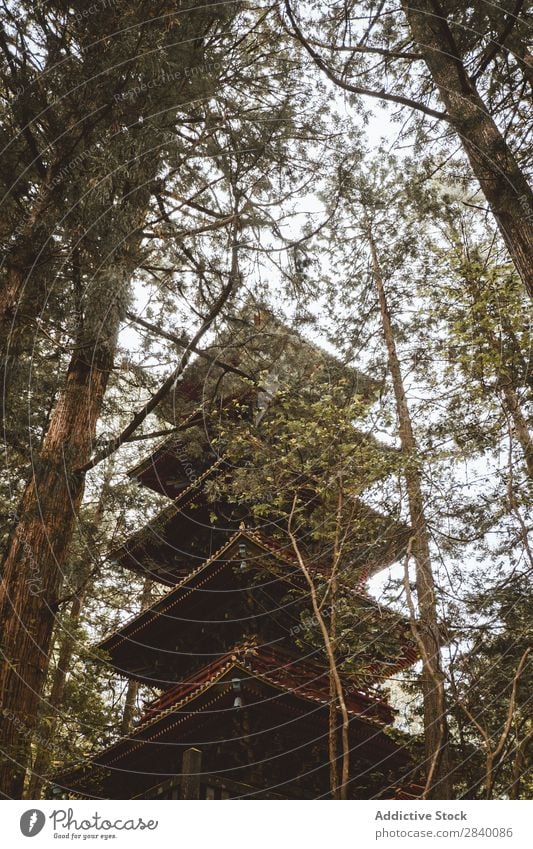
(167, 166)
(431, 37)
(121, 225)
(105, 236)
(71, 116)
(83, 574)
(302, 466)
(427, 630)
(132, 689)
(481, 301)
(452, 351)
(491, 683)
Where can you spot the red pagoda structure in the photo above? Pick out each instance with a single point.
(243, 709)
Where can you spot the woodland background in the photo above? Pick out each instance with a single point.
(363, 169)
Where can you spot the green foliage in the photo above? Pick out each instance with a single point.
(129, 142)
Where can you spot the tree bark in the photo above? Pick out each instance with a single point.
(432, 678)
(22, 293)
(67, 640)
(38, 547)
(501, 180)
(46, 732)
(32, 568)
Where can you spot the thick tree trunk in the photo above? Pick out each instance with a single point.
(39, 544)
(496, 169)
(432, 678)
(67, 644)
(33, 565)
(20, 301)
(46, 732)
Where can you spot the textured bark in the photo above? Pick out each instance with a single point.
(67, 644)
(39, 544)
(432, 678)
(34, 561)
(47, 730)
(496, 169)
(21, 298)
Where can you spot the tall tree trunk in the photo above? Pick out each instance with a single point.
(46, 730)
(521, 428)
(67, 643)
(520, 764)
(496, 169)
(432, 678)
(22, 290)
(333, 765)
(133, 686)
(39, 546)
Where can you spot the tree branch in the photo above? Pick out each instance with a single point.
(498, 43)
(24, 127)
(172, 379)
(380, 94)
(330, 651)
(165, 334)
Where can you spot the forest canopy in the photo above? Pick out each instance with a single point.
(288, 245)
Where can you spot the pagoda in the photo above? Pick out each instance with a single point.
(243, 697)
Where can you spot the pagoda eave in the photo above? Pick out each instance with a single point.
(210, 714)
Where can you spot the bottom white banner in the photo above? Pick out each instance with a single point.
(269, 824)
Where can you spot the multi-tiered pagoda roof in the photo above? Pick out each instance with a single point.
(244, 693)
